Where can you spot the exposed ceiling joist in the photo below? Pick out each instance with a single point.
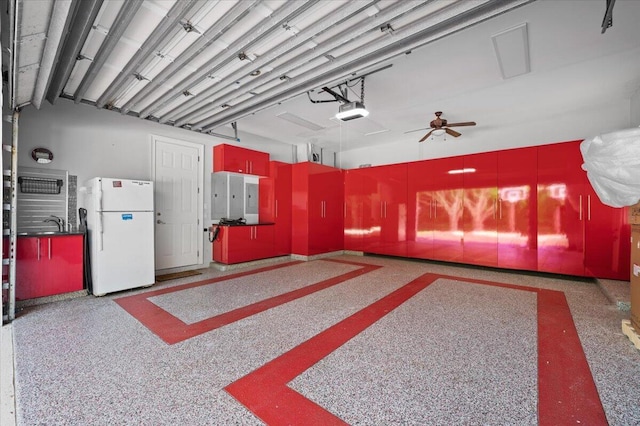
(124, 18)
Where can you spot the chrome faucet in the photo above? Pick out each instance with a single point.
(57, 220)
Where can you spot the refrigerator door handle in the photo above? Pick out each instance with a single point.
(99, 195)
(99, 233)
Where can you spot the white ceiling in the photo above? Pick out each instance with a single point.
(138, 58)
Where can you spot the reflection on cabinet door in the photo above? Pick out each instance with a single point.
(517, 209)
(480, 214)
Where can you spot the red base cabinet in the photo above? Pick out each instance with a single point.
(48, 265)
(230, 158)
(244, 243)
(317, 209)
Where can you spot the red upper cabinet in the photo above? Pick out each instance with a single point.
(480, 181)
(317, 209)
(230, 158)
(517, 209)
(275, 204)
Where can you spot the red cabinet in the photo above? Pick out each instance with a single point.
(480, 213)
(317, 209)
(517, 207)
(275, 204)
(230, 158)
(48, 265)
(435, 206)
(385, 209)
(354, 201)
(577, 234)
(236, 244)
(560, 217)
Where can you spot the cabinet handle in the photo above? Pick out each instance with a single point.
(49, 239)
(276, 208)
(38, 247)
(588, 207)
(580, 207)
(385, 209)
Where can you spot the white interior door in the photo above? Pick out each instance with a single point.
(177, 179)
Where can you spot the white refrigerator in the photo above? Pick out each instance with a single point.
(121, 234)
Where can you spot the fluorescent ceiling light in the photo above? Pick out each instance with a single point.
(459, 171)
(351, 111)
(292, 118)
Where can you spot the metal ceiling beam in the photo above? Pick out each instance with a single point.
(344, 12)
(168, 25)
(421, 32)
(122, 21)
(236, 13)
(346, 35)
(61, 16)
(266, 28)
(83, 17)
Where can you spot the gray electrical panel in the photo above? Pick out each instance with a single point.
(251, 201)
(227, 196)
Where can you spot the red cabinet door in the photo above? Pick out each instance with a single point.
(275, 204)
(480, 177)
(65, 271)
(30, 268)
(391, 187)
(435, 207)
(560, 210)
(230, 158)
(607, 236)
(447, 193)
(317, 209)
(420, 203)
(353, 204)
(517, 209)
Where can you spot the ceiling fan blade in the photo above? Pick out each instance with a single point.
(417, 130)
(452, 132)
(465, 123)
(424, 138)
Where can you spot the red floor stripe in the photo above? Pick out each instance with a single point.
(567, 392)
(173, 330)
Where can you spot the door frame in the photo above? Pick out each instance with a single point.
(200, 191)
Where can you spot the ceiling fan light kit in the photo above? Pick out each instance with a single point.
(440, 126)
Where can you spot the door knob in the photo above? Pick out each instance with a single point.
(160, 222)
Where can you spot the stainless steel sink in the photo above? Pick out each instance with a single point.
(43, 233)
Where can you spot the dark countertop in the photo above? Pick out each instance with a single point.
(249, 224)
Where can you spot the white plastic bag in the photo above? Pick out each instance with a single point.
(612, 163)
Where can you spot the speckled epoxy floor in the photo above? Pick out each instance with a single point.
(455, 353)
